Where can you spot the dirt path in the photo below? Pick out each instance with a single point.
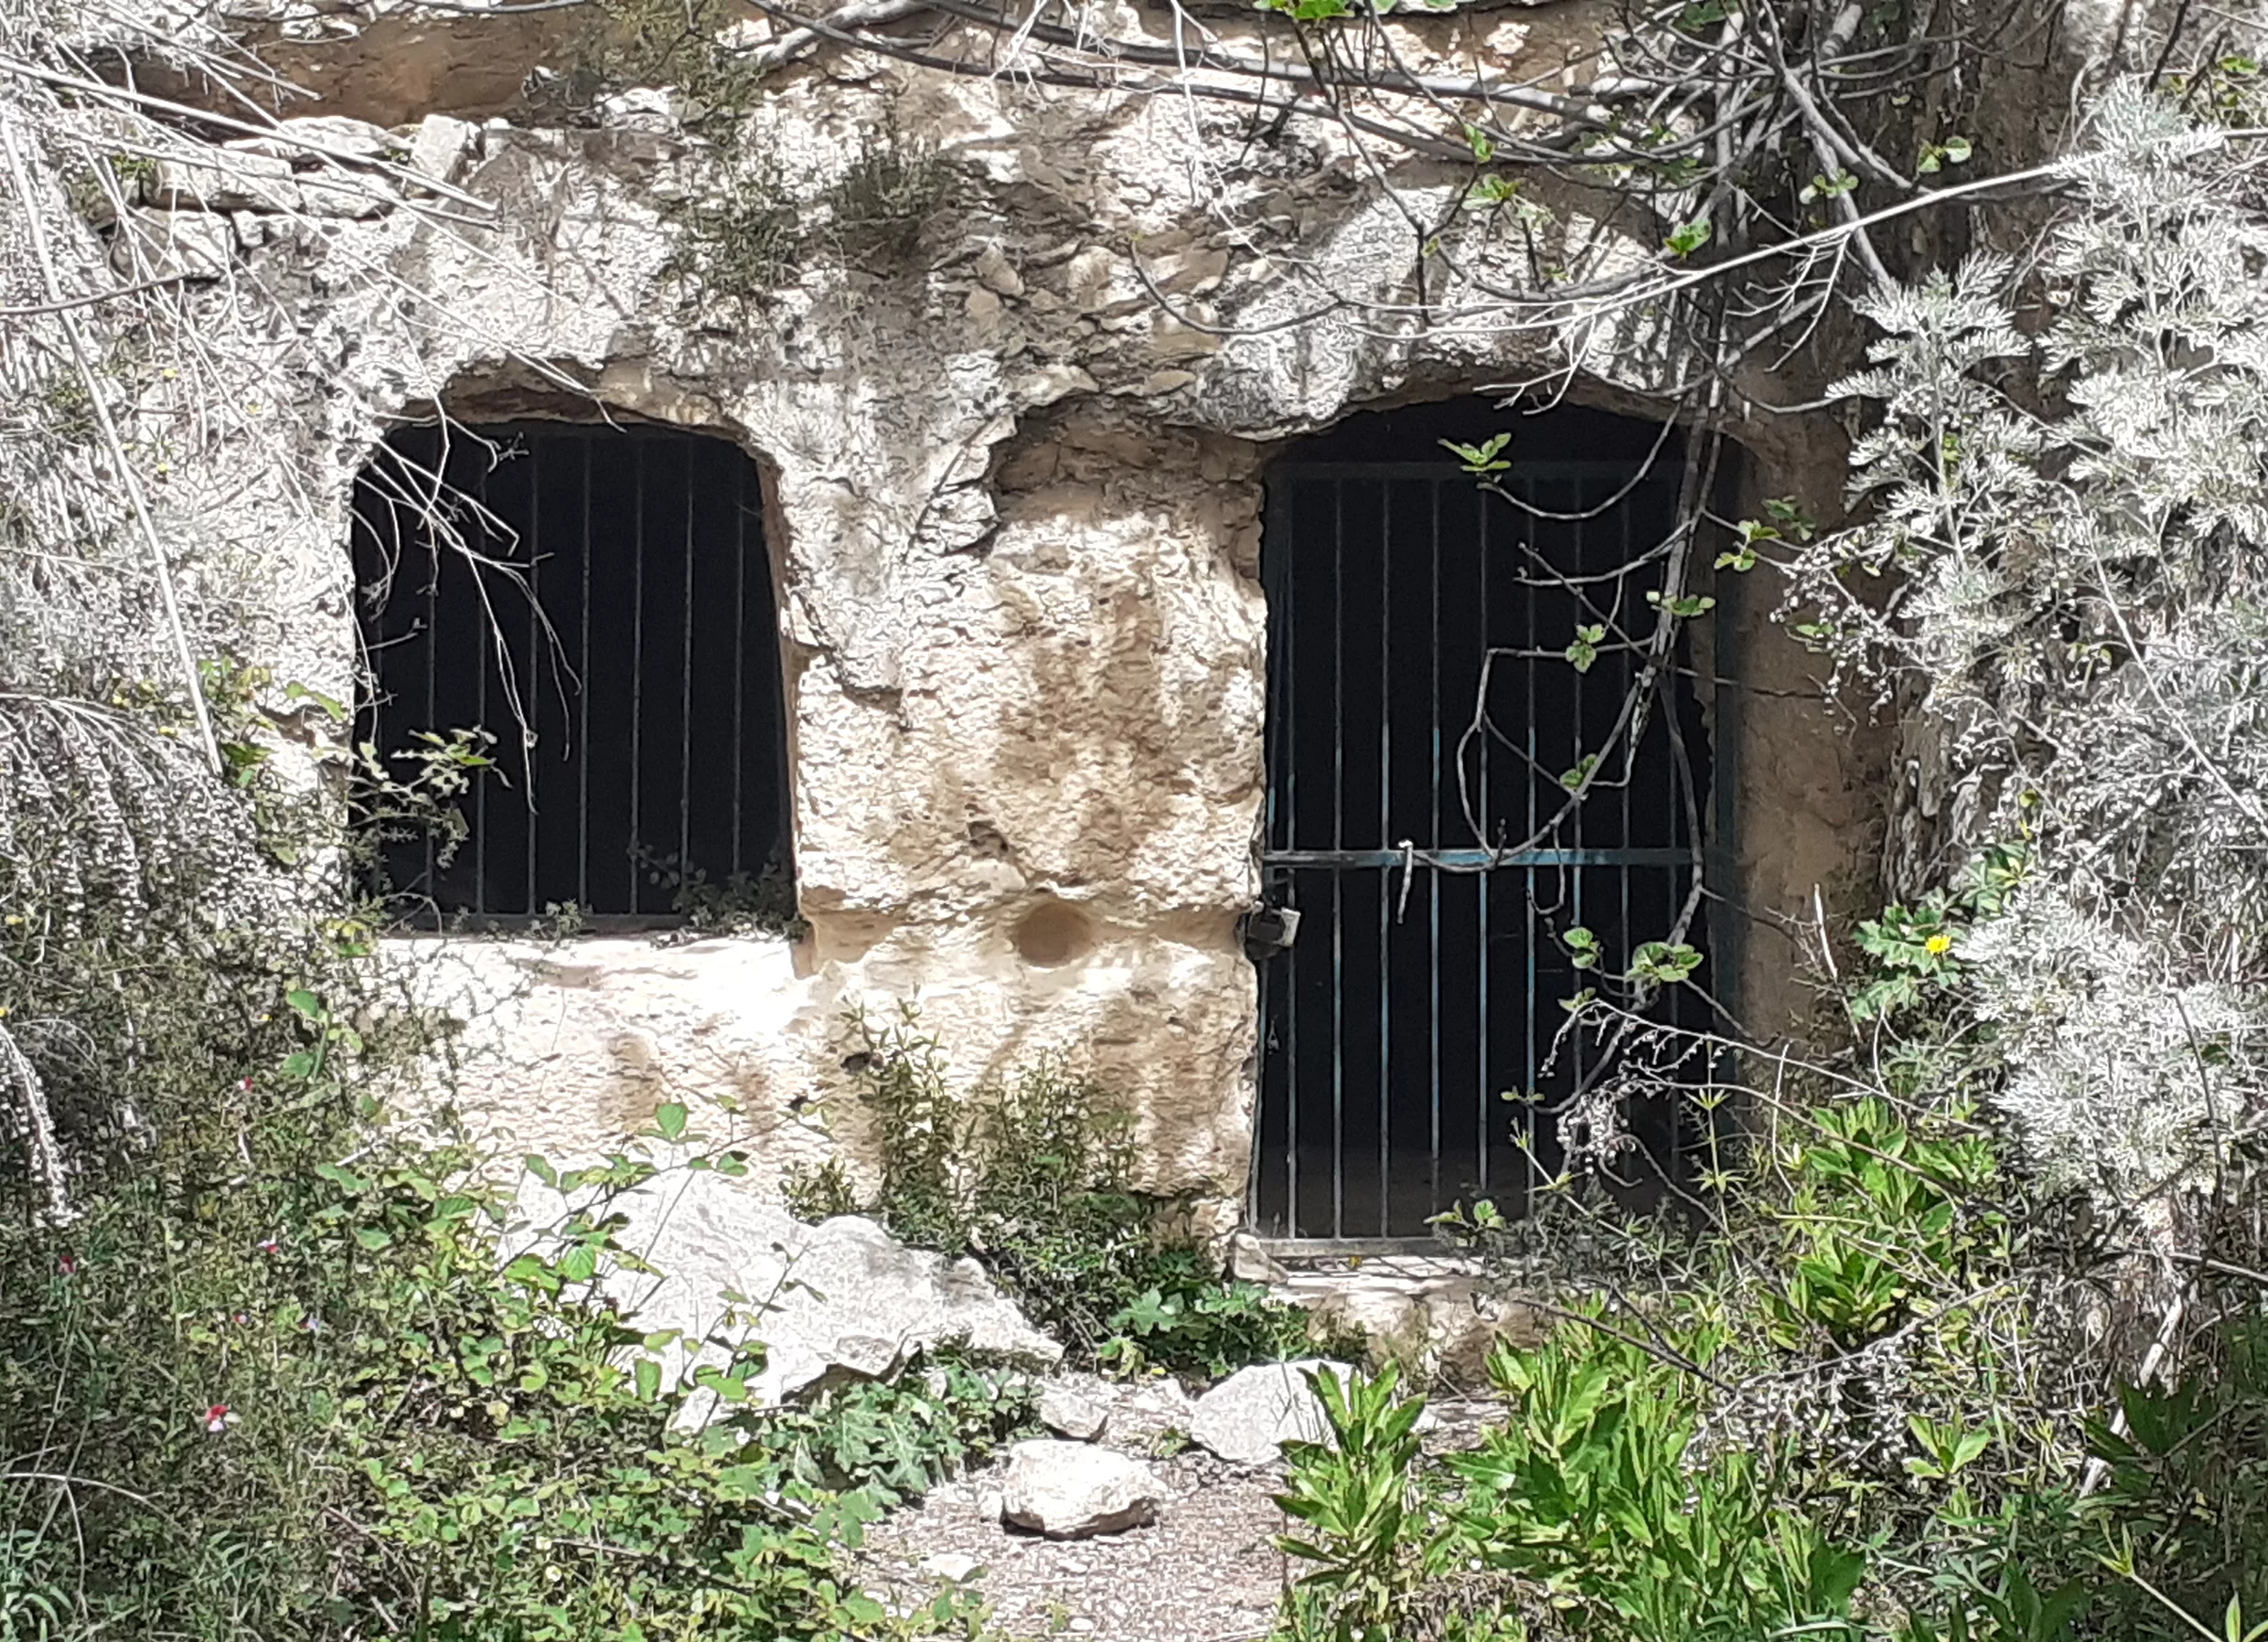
(1206, 1570)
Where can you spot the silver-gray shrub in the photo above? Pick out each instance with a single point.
(2058, 564)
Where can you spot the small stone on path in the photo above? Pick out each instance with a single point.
(1070, 1490)
(955, 1567)
(1073, 1414)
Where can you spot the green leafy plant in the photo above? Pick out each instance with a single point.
(1033, 1175)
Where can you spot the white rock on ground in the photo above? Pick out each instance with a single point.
(1142, 1414)
(841, 1300)
(955, 1567)
(1071, 1490)
(1249, 1416)
(1070, 1411)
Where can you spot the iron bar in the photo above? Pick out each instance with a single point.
(1338, 841)
(1433, 879)
(1385, 837)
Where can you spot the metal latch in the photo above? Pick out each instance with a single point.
(1271, 930)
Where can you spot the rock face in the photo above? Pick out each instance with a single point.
(1141, 1414)
(837, 1301)
(1071, 1490)
(1070, 1411)
(1249, 1416)
(1012, 509)
(1438, 1322)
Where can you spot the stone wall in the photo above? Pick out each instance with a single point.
(1015, 487)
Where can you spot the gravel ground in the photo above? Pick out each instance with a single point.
(1206, 1570)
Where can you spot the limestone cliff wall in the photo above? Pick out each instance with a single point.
(1015, 482)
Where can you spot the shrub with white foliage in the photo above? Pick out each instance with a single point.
(2065, 488)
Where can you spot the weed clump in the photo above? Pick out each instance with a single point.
(1033, 1177)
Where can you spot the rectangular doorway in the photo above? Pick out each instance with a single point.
(1411, 1050)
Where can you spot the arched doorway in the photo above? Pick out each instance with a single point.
(1442, 663)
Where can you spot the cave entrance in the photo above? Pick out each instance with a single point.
(1426, 711)
(599, 599)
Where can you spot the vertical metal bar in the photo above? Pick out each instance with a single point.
(1486, 842)
(1386, 841)
(1576, 875)
(740, 654)
(1283, 817)
(491, 639)
(532, 691)
(685, 689)
(638, 659)
(1338, 841)
(1433, 877)
(1529, 641)
(1630, 665)
(433, 635)
(1629, 678)
(582, 704)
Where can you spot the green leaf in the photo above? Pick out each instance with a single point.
(306, 1003)
(648, 1373)
(1483, 459)
(670, 1119)
(373, 1238)
(1688, 236)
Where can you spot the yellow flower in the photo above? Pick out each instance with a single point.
(1940, 943)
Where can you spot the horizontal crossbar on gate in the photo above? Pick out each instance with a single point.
(1478, 860)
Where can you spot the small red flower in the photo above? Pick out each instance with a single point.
(67, 1265)
(242, 1319)
(244, 1085)
(268, 1245)
(219, 1418)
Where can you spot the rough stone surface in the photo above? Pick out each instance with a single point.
(838, 1300)
(1013, 511)
(1075, 1490)
(954, 1567)
(1433, 1317)
(1250, 1415)
(1150, 1416)
(1074, 1414)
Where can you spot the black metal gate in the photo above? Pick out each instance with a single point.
(599, 599)
(1408, 1057)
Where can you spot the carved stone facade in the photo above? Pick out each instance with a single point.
(1015, 494)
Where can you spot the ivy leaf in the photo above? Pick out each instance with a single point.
(1584, 650)
(1688, 236)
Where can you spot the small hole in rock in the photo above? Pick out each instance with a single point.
(1051, 933)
